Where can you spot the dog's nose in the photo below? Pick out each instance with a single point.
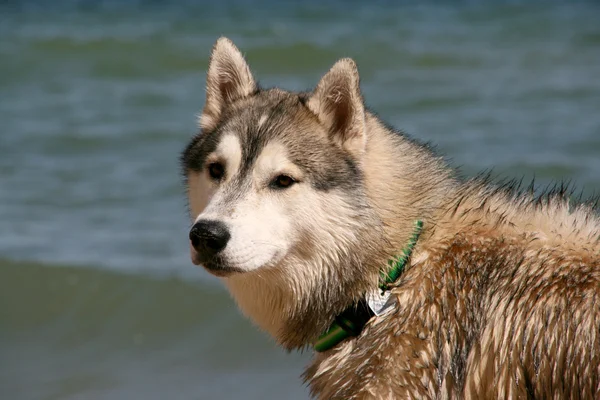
(209, 237)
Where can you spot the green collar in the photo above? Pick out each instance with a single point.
(352, 320)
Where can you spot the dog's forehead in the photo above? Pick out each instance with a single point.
(270, 114)
(266, 117)
(271, 128)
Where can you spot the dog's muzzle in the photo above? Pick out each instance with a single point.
(208, 238)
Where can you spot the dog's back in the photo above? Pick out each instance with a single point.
(503, 302)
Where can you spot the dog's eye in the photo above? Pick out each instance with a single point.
(283, 182)
(216, 170)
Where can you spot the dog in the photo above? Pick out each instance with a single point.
(331, 229)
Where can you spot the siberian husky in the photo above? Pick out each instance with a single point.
(331, 230)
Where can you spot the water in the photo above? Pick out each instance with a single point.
(98, 98)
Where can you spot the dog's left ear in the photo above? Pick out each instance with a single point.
(338, 104)
(228, 79)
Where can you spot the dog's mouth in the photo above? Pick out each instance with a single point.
(216, 265)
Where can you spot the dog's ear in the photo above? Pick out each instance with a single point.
(228, 79)
(338, 104)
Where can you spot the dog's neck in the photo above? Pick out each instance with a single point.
(352, 320)
(297, 300)
(414, 186)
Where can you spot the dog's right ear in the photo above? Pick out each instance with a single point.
(338, 104)
(228, 79)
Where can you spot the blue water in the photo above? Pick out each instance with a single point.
(97, 99)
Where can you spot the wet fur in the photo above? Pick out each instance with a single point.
(500, 299)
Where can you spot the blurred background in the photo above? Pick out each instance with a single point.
(98, 299)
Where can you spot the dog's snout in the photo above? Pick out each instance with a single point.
(209, 237)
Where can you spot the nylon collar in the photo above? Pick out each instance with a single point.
(352, 320)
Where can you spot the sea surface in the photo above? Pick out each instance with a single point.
(98, 299)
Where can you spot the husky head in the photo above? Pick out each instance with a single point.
(277, 198)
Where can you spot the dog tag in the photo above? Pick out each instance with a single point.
(380, 303)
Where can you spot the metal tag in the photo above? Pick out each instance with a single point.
(380, 303)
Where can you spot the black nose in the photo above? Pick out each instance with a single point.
(209, 237)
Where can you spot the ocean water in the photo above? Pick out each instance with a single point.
(97, 99)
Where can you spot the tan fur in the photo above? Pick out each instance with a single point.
(500, 298)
